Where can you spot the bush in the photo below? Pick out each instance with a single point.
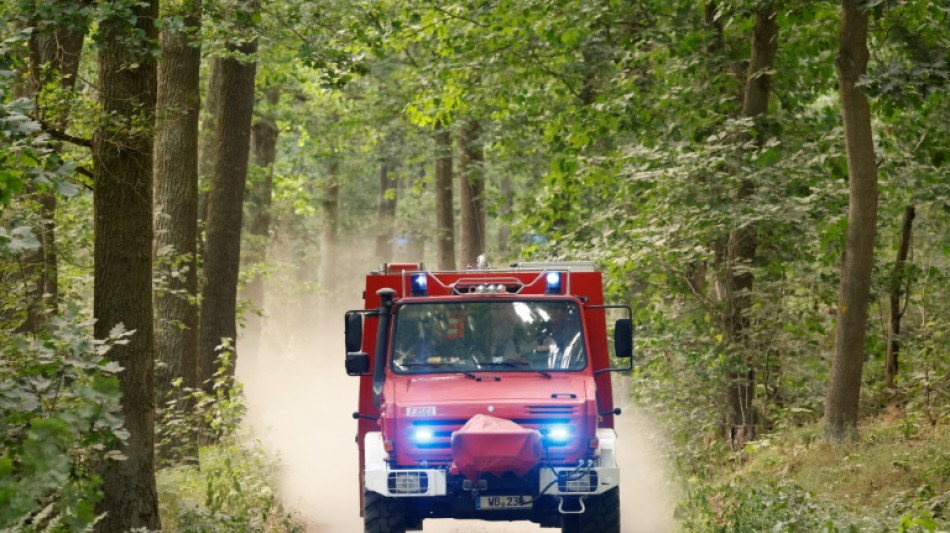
(225, 485)
(231, 491)
(752, 507)
(59, 414)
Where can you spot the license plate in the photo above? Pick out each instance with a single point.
(504, 502)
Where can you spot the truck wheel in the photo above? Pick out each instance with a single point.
(602, 515)
(382, 514)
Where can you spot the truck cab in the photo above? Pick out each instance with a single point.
(486, 394)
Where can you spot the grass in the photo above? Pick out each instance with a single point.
(231, 490)
(896, 478)
(892, 467)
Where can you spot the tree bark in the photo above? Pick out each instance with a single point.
(232, 136)
(896, 292)
(122, 155)
(844, 387)
(742, 244)
(331, 224)
(264, 134)
(206, 154)
(54, 52)
(471, 195)
(712, 21)
(445, 219)
(507, 206)
(176, 203)
(386, 206)
(415, 228)
(758, 84)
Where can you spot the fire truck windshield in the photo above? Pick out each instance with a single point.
(497, 336)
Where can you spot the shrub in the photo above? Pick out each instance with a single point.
(225, 485)
(59, 414)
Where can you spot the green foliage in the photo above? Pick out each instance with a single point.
(750, 507)
(27, 156)
(188, 414)
(232, 491)
(59, 413)
(615, 127)
(226, 485)
(791, 481)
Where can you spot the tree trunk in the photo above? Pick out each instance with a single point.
(445, 219)
(122, 155)
(206, 154)
(54, 50)
(385, 207)
(415, 228)
(331, 224)
(507, 206)
(232, 137)
(844, 387)
(758, 84)
(471, 195)
(176, 203)
(712, 21)
(260, 190)
(743, 241)
(895, 290)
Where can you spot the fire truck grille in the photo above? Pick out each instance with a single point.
(408, 482)
(548, 410)
(437, 447)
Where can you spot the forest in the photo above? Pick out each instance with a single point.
(766, 182)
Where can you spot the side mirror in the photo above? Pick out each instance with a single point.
(353, 333)
(623, 338)
(357, 364)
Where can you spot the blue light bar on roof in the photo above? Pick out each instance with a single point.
(419, 284)
(554, 283)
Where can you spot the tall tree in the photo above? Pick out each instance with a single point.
(386, 202)
(471, 194)
(55, 48)
(232, 138)
(444, 209)
(264, 134)
(176, 200)
(897, 291)
(206, 153)
(844, 387)
(329, 235)
(743, 241)
(122, 154)
(507, 206)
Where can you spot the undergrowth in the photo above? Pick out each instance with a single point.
(892, 480)
(231, 491)
(226, 484)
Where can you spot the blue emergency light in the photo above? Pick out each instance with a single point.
(419, 284)
(554, 283)
(423, 436)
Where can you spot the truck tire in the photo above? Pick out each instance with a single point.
(382, 514)
(602, 515)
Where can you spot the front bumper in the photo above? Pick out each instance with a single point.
(592, 478)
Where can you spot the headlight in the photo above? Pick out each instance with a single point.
(557, 434)
(422, 436)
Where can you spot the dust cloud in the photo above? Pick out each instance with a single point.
(300, 402)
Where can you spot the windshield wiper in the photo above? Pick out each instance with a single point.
(438, 365)
(509, 362)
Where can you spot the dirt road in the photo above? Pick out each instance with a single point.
(300, 403)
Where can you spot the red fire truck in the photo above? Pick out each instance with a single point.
(486, 394)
